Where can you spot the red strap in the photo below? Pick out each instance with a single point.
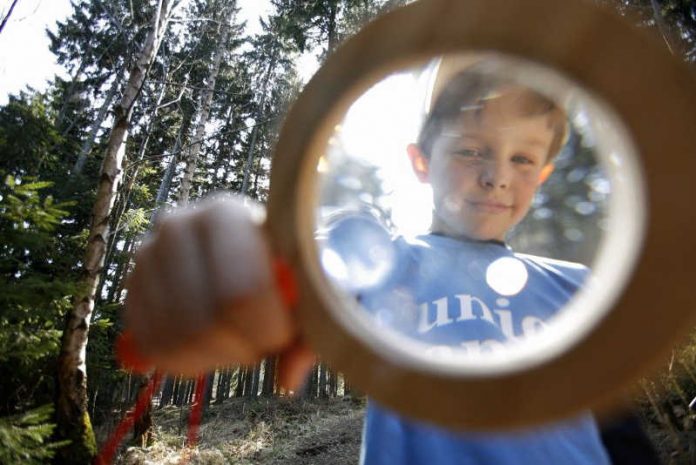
(286, 282)
(129, 357)
(108, 451)
(196, 411)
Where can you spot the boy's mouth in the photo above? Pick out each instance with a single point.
(489, 206)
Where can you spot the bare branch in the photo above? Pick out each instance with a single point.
(7, 16)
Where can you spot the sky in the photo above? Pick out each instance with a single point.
(24, 55)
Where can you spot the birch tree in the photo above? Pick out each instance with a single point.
(72, 419)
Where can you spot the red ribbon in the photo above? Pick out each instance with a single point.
(132, 359)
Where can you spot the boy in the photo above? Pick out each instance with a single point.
(202, 296)
(485, 148)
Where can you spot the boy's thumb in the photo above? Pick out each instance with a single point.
(294, 365)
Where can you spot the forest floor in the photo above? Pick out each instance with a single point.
(271, 431)
(275, 431)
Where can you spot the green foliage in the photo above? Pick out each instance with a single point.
(32, 297)
(323, 24)
(136, 221)
(25, 438)
(26, 210)
(28, 139)
(568, 215)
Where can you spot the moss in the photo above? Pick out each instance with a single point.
(88, 439)
(83, 445)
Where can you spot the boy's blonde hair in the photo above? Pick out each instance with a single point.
(471, 90)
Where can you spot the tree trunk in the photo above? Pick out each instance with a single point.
(347, 388)
(190, 391)
(179, 391)
(269, 377)
(312, 383)
(254, 131)
(134, 168)
(256, 380)
(166, 182)
(121, 270)
(143, 427)
(241, 381)
(252, 382)
(221, 382)
(222, 159)
(167, 392)
(227, 385)
(220, 385)
(72, 419)
(331, 33)
(101, 116)
(324, 381)
(333, 383)
(206, 101)
(208, 395)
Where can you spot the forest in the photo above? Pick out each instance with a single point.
(164, 102)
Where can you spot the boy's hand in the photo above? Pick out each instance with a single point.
(203, 294)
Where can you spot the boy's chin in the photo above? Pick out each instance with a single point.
(471, 235)
(484, 237)
(468, 230)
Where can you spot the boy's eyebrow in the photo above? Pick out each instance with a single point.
(472, 107)
(536, 143)
(451, 133)
(455, 134)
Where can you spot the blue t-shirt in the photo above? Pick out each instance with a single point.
(472, 295)
(391, 439)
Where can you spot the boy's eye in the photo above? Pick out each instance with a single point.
(523, 160)
(469, 153)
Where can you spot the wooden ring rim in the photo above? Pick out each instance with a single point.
(655, 96)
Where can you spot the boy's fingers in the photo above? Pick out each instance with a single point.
(204, 292)
(294, 366)
(177, 254)
(220, 346)
(170, 306)
(234, 247)
(143, 310)
(241, 277)
(262, 318)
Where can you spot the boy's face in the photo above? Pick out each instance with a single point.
(485, 167)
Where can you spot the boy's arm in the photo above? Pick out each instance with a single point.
(203, 293)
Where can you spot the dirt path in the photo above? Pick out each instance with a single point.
(336, 443)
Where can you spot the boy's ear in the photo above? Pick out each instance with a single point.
(546, 172)
(419, 162)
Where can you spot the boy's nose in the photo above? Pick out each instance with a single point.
(494, 176)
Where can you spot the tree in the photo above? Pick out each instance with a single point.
(71, 399)
(673, 20)
(323, 24)
(30, 295)
(223, 32)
